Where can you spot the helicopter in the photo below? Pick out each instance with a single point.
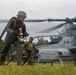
(64, 48)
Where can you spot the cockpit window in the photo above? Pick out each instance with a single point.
(47, 40)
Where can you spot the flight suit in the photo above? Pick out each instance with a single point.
(12, 37)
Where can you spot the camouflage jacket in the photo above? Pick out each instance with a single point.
(12, 26)
(30, 47)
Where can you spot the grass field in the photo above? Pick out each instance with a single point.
(38, 69)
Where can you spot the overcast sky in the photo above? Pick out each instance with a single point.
(38, 9)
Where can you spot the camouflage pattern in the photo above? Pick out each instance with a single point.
(29, 46)
(12, 37)
(30, 52)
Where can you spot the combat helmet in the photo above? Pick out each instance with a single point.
(31, 38)
(22, 14)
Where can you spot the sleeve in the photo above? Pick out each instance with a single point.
(24, 30)
(9, 25)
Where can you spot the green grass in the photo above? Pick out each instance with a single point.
(38, 69)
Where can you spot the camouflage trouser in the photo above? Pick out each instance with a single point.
(4, 53)
(19, 50)
(29, 57)
(5, 50)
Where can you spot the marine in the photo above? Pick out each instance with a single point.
(13, 27)
(30, 52)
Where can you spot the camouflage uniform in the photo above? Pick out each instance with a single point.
(30, 51)
(12, 37)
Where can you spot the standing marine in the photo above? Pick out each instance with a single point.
(14, 28)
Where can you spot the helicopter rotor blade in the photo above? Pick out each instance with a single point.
(34, 20)
(42, 20)
(3, 21)
(51, 29)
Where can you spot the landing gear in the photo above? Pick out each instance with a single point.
(61, 61)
